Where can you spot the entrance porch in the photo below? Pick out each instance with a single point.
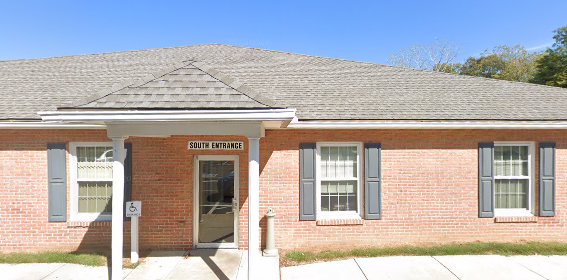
(246, 125)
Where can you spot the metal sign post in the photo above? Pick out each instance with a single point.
(134, 211)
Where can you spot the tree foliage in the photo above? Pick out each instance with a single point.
(552, 65)
(438, 56)
(513, 63)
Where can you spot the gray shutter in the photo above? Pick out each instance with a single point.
(547, 179)
(372, 182)
(486, 180)
(57, 182)
(127, 175)
(307, 182)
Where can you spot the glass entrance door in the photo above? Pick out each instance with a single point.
(217, 201)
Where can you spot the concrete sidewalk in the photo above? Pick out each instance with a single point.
(202, 264)
(441, 267)
(196, 264)
(53, 271)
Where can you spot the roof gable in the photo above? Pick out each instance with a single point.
(188, 85)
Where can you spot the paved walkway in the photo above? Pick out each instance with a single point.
(209, 264)
(223, 264)
(196, 264)
(53, 271)
(442, 267)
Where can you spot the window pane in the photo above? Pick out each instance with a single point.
(94, 162)
(83, 190)
(108, 208)
(498, 161)
(325, 203)
(524, 160)
(511, 161)
(353, 161)
(511, 193)
(83, 205)
(324, 161)
(339, 162)
(95, 197)
(338, 196)
(333, 203)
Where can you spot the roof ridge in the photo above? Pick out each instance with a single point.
(234, 83)
(120, 86)
(294, 54)
(111, 52)
(396, 67)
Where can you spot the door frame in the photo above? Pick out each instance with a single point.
(196, 197)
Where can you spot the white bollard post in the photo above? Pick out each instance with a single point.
(270, 250)
(134, 255)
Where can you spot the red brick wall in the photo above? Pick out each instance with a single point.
(429, 185)
(23, 195)
(162, 179)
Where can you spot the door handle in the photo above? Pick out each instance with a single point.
(234, 205)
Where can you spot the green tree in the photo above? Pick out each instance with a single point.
(488, 66)
(552, 65)
(513, 63)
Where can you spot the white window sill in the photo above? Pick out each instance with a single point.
(512, 213)
(338, 219)
(516, 219)
(341, 222)
(90, 218)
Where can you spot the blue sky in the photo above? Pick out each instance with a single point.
(358, 30)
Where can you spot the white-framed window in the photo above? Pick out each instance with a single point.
(91, 181)
(513, 178)
(338, 180)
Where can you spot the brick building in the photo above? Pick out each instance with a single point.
(208, 137)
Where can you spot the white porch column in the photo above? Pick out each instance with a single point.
(253, 206)
(117, 206)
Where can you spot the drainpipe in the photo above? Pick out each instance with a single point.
(270, 250)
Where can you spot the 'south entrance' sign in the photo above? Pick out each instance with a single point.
(216, 145)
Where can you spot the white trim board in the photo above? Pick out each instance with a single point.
(427, 125)
(48, 125)
(284, 115)
(60, 124)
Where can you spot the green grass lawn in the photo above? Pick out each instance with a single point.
(54, 257)
(506, 249)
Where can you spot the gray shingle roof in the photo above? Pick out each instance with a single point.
(190, 85)
(319, 88)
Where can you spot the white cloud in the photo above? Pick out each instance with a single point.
(540, 47)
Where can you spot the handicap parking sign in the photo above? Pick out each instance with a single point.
(133, 209)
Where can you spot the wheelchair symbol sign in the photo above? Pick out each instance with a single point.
(133, 209)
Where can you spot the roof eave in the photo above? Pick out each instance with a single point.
(434, 124)
(280, 116)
